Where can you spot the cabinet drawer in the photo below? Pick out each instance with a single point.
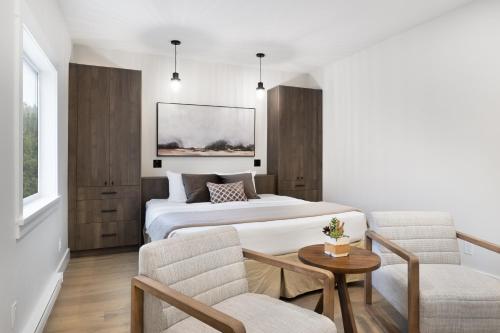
(292, 185)
(309, 195)
(107, 210)
(103, 235)
(300, 184)
(112, 192)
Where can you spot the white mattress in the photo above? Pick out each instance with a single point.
(272, 237)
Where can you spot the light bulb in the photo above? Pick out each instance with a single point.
(175, 85)
(261, 93)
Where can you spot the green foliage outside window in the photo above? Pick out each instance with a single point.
(30, 150)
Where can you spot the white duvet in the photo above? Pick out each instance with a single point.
(272, 237)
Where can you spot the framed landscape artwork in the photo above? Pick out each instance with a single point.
(204, 130)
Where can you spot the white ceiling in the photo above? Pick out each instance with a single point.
(296, 35)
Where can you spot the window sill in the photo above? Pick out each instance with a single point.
(36, 212)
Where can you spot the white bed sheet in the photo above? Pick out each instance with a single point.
(272, 237)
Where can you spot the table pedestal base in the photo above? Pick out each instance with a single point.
(345, 304)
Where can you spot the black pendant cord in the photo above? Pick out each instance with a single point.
(175, 58)
(260, 69)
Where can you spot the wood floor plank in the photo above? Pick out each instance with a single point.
(95, 298)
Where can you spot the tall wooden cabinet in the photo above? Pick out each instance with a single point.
(104, 168)
(295, 140)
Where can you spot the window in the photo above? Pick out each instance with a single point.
(30, 129)
(38, 192)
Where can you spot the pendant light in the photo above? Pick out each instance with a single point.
(260, 86)
(175, 81)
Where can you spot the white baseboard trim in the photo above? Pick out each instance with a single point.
(63, 264)
(44, 307)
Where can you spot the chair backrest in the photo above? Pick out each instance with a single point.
(429, 235)
(207, 266)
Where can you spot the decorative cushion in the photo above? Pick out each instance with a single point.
(453, 298)
(262, 314)
(176, 190)
(226, 192)
(247, 180)
(196, 186)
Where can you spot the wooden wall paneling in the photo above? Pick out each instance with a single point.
(125, 127)
(93, 126)
(265, 184)
(152, 188)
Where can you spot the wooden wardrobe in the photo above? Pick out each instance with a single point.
(104, 167)
(295, 140)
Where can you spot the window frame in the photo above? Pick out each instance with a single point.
(36, 208)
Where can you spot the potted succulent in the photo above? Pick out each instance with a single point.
(337, 244)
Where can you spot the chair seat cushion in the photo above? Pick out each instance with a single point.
(261, 313)
(453, 297)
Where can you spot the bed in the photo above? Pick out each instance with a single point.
(280, 237)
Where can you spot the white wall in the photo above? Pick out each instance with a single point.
(202, 83)
(7, 181)
(29, 265)
(413, 123)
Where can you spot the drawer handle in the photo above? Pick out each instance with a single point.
(300, 185)
(108, 192)
(108, 210)
(109, 235)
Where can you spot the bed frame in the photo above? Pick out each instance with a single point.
(157, 188)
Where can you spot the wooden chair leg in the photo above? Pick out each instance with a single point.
(137, 310)
(413, 297)
(368, 276)
(327, 298)
(319, 305)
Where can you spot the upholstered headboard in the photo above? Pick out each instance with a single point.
(157, 188)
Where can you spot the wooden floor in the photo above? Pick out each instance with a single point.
(95, 297)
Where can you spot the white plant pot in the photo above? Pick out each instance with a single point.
(337, 247)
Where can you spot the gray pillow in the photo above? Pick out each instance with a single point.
(247, 180)
(196, 186)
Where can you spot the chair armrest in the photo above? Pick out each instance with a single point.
(210, 316)
(322, 274)
(391, 246)
(479, 242)
(413, 277)
(289, 265)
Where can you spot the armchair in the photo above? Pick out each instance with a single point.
(197, 283)
(422, 278)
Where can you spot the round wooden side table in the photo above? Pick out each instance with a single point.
(358, 261)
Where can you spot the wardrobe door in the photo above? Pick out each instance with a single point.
(125, 127)
(314, 139)
(292, 141)
(93, 126)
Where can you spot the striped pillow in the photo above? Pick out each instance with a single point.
(226, 192)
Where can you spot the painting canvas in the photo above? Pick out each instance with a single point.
(204, 130)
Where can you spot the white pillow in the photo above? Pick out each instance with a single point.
(176, 190)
